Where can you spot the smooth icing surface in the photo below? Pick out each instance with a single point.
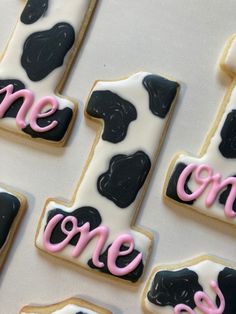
(34, 10)
(207, 184)
(36, 58)
(116, 112)
(114, 181)
(74, 309)
(200, 288)
(9, 209)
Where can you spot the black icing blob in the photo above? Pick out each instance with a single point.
(82, 214)
(225, 194)
(174, 287)
(9, 208)
(116, 112)
(227, 285)
(33, 11)
(45, 51)
(15, 107)
(63, 117)
(227, 146)
(122, 261)
(171, 190)
(80, 312)
(161, 92)
(124, 178)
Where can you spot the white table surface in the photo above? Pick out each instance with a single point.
(182, 39)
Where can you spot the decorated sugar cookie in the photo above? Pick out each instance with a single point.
(70, 306)
(97, 229)
(12, 207)
(204, 285)
(34, 67)
(208, 183)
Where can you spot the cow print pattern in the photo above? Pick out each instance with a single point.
(227, 146)
(9, 208)
(126, 167)
(63, 117)
(172, 184)
(45, 51)
(225, 194)
(174, 287)
(82, 214)
(162, 93)
(33, 11)
(15, 107)
(227, 285)
(121, 262)
(116, 112)
(124, 178)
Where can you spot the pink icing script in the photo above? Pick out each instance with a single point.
(28, 99)
(204, 303)
(102, 232)
(212, 179)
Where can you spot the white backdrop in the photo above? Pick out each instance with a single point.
(182, 39)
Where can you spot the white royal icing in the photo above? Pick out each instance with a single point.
(70, 309)
(118, 220)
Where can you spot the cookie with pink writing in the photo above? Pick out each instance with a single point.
(204, 285)
(35, 66)
(12, 208)
(208, 183)
(70, 306)
(97, 229)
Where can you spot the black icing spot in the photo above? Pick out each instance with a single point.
(63, 117)
(33, 10)
(161, 92)
(171, 190)
(45, 51)
(228, 134)
(124, 178)
(9, 208)
(225, 194)
(15, 107)
(116, 112)
(82, 214)
(122, 261)
(227, 285)
(174, 287)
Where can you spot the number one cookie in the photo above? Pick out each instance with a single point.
(208, 183)
(35, 65)
(97, 231)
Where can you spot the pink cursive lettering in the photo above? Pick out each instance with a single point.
(204, 303)
(28, 100)
(204, 177)
(102, 232)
